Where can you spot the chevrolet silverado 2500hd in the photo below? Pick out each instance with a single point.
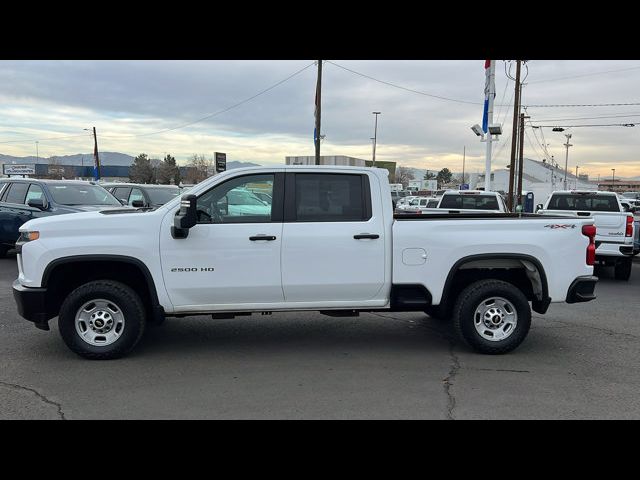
(614, 227)
(328, 242)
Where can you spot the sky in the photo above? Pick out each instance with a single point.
(262, 111)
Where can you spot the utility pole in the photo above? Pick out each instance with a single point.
(576, 177)
(464, 154)
(316, 132)
(491, 87)
(566, 159)
(521, 158)
(514, 135)
(375, 137)
(37, 154)
(613, 180)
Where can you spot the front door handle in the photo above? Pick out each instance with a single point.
(366, 235)
(268, 238)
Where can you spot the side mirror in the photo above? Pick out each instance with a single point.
(539, 207)
(36, 203)
(137, 203)
(185, 218)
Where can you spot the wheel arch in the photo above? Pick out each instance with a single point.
(533, 268)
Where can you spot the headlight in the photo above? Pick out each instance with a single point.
(28, 236)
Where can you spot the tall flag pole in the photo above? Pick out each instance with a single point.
(317, 112)
(487, 117)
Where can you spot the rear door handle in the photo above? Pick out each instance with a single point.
(268, 238)
(360, 236)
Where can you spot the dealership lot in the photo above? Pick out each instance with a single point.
(579, 361)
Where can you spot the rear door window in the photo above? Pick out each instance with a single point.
(17, 193)
(122, 193)
(330, 198)
(35, 192)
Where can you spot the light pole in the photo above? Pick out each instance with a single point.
(375, 137)
(576, 177)
(566, 159)
(613, 180)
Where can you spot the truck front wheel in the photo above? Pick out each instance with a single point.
(622, 270)
(492, 316)
(102, 319)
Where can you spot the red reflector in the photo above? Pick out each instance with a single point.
(629, 231)
(590, 231)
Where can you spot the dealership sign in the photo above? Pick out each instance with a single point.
(18, 169)
(221, 162)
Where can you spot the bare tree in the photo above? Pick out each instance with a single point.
(403, 175)
(199, 168)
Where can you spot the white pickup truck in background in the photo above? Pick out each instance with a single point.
(459, 201)
(614, 226)
(328, 242)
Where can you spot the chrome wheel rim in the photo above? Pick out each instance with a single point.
(495, 319)
(99, 322)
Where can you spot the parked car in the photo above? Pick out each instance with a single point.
(328, 242)
(614, 226)
(419, 205)
(143, 195)
(22, 199)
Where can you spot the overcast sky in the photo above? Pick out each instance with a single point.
(129, 101)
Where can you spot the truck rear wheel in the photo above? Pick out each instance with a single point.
(622, 270)
(492, 316)
(101, 320)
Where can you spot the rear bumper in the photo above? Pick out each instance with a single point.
(606, 249)
(581, 289)
(31, 303)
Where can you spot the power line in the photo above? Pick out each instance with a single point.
(586, 118)
(404, 88)
(219, 112)
(591, 125)
(41, 139)
(585, 105)
(585, 75)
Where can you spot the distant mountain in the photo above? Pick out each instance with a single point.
(106, 158)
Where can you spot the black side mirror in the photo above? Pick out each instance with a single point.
(539, 207)
(137, 203)
(36, 203)
(185, 218)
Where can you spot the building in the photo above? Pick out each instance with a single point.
(619, 185)
(342, 160)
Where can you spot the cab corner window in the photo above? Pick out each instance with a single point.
(246, 199)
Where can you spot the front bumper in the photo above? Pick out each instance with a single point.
(581, 289)
(32, 304)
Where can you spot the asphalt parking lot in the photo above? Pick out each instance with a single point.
(579, 362)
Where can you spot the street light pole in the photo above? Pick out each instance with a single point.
(613, 180)
(576, 177)
(566, 159)
(375, 137)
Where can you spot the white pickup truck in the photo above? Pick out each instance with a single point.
(614, 226)
(328, 242)
(458, 201)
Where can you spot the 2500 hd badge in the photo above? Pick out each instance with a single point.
(192, 269)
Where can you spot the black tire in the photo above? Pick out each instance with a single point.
(472, 297)
(622, 270)
(124, 297)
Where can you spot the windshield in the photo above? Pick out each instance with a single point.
(161, 195)
(593, 202)
(474, 202)
(82, 195)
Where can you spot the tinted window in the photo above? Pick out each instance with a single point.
(35, 192)
(17, 193)
(474, 202)
(160, 196)
(234, 201)
(136, 194)
(595, 203)
(68, 194)
(122, 193)
(329, 198)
